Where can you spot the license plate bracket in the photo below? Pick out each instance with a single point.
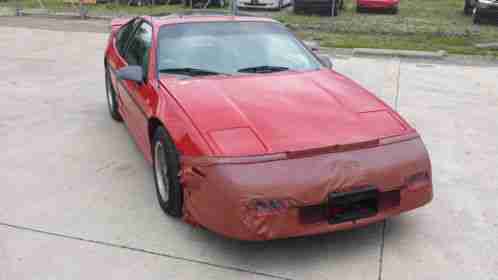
(350, 206)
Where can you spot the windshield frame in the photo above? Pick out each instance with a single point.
(312, 55)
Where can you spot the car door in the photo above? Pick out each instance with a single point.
(137, 95)
(115, 58)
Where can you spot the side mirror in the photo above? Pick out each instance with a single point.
(326, 61)
(131, 73)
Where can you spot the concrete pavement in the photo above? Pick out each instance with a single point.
(77, 199)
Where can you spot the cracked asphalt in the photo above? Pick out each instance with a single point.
(77, 198)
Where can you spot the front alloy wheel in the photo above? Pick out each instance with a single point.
(166, 173)
(161, 171)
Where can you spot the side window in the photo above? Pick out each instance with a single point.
(138, 51)
(124, 35)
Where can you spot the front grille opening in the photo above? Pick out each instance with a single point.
(351, 206)
(349, 212)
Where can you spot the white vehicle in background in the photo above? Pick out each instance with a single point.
(263, 4)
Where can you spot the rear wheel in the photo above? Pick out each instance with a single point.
(112, 103)
(476, 17)
(166, 170)
(394, 10)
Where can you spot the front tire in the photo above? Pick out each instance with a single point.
(166, 170)
(112, 102)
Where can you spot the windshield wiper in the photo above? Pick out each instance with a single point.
(190, 71)
(263, 69)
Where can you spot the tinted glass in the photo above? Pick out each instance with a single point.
(227, 47)
(138, 51)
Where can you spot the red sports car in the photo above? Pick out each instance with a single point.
(252, 135)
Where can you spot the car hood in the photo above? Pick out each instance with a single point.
(282, 112)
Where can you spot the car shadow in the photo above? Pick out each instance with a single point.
(399, 226)
(299, 255)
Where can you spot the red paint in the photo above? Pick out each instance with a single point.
(289, 136)
(290, 112)
(378, 4)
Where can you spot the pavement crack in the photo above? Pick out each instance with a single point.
(106, 166)
(381, 255)
(145, 251)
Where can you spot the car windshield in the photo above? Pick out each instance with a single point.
(212, 48)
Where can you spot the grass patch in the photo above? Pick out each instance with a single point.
(420, 25)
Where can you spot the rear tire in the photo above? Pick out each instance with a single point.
(394, 10)
(166, 166)
(476, 17)
(112, 102)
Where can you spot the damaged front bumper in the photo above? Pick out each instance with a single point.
(279, 196)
